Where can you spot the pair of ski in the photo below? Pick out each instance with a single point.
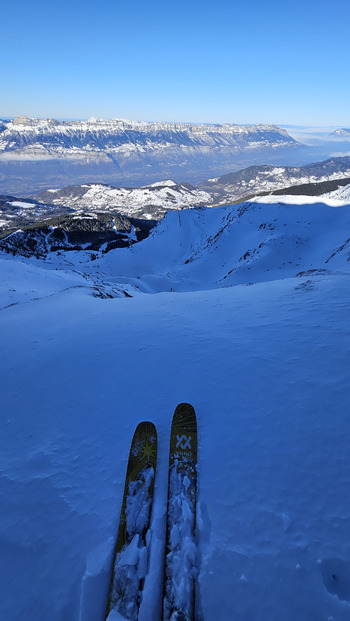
(132, 547)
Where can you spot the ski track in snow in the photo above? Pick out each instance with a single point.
(266, 367)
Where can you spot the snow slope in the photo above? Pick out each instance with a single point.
(266, 368)
(342, 194)
(265, 239)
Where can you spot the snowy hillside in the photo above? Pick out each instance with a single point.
(19, 212)
(266, 239)
(88, 232)
(145, 202)
(242, 311)
(342, 194)
(258, 179)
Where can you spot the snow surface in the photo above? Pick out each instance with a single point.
(131, 562)
(263, 356)
(23, 205)
(343, 193)
(180, 568)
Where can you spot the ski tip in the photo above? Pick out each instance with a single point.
(143, 450)
(145, 428)
(185, 417)
(183, 435)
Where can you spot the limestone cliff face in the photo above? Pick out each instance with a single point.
(42, 153)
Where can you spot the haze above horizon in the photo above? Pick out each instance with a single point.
(184, 62)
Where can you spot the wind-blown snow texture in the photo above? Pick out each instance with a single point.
(266, 368)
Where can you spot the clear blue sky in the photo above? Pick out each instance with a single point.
(192, 60)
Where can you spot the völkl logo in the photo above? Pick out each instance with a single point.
(183, 442)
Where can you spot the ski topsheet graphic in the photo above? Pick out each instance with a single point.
(180, 562)
(131, 554)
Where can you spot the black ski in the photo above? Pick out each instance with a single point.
(131, 552)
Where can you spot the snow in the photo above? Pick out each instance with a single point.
(181, 559)
(332, 199)
(129, 201)
(117, 146)
(166, 183)
(130, 568)
(23, 205)
(342, 194)
(131, 562)
(263, 356)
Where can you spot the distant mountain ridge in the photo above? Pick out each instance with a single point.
(343, 132)
(99, 134)
(42, 153)
(85, 216)
(154, 200)
(147, 202)
(262, 179)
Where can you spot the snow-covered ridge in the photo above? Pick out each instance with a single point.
(154, 200)
(151, 202)
(255, 241)
(29, 125)
(120, 136)
(258, 179)
(122, 152)
(148, 202)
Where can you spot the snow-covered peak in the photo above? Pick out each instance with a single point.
(168, 183)
(343, 132)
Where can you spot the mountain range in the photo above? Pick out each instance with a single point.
(152, 202)
(42, 153)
